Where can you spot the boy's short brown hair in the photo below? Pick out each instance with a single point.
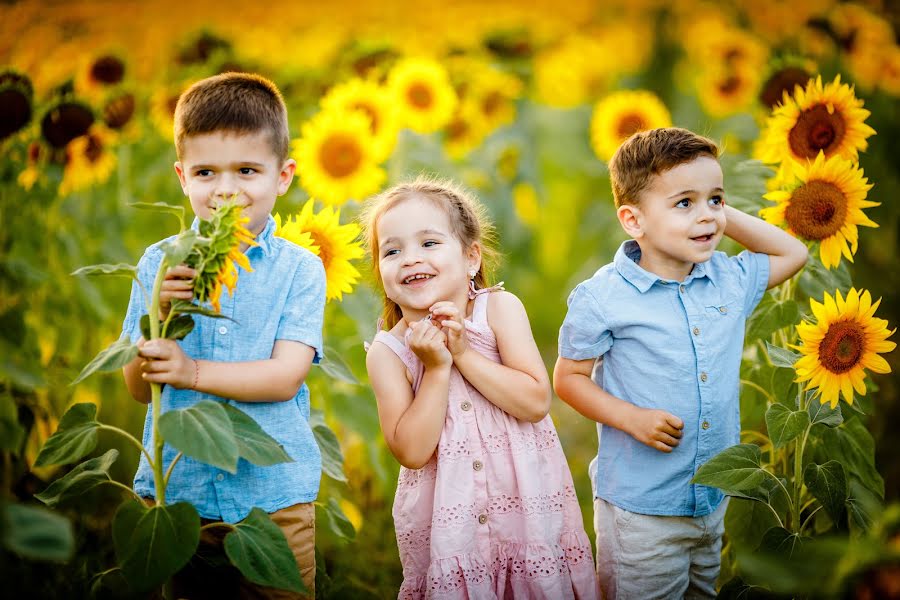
(233, 102)
(649, 153)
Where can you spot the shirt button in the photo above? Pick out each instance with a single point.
(220, 477)
(482, 519)
(681, 288)
(723, 309)
(705, 425)
(477, 465)
(696, 331)
(223, 330)
(704, 376)
(466, 405)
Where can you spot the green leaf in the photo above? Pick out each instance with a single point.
(152, 544)
(746, 521)
(783, 386)
(202, 431)
(815, 278)
(11, 432)
(770, 316)
(737, 589)
(180, 248)
(36, 533)
(332, 459)
(117, 270)
(336, 368)
(75, 437)
(79, 480)
(737, 472)
(828, 483)
(182, 307)
(179, 327)
(338, 522)
(823, 413)
(114, 357)
(781, 357)
(178, 211)
(852, 445)
(781, 542)
(863, 507)
(785, 424)
(253, 443)
(258, 548)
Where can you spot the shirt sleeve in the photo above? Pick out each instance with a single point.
(752, 269)
(137, 305)
(584, 333)
(304, 311)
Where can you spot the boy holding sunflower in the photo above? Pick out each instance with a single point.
(231, 138)
(667, 317)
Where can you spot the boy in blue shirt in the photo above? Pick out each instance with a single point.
(667, 318)
(231, 137)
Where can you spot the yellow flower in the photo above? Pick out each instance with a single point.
(727, 90)
(98, 73)
(525, 201)
(335, 244)
(864, 38)
(16, 107)
(824, 205)
(336, 158)
(465, 132)
(378, 106)
(492, 91)
(784, 80)
(828, 119)
(423, 93)
(575, 71)
(89, 160)
(162, 108)
(622, 114)
(845, 341)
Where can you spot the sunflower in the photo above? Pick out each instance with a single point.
(576, 70)
(845, 341)
(622, 114)
(824, 205)
(864, 38)
(783, 81)
(376, 103)
(335, 157)
(890, 72)
(162, 108)
(494, 92)
(16, 94)
(727, 90)
(525, 202)
(828, 119)
(65, 121)
(422, 91)
(335, 244)
(466, 130)
(89, 160)
(99, 73)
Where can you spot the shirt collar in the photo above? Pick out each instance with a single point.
(626, 263)
(263, 240)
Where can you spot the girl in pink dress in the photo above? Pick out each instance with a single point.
(485, 507)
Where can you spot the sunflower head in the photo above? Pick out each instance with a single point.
(64, 122)
(421, 88)
(846, 340)
(622, 114)
(375, 103)
(16, 108)
(89, 160)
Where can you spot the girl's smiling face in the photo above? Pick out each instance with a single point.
(420, 259)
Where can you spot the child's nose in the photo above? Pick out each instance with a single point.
(226, 188)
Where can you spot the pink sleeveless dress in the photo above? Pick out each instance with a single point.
(494, 514)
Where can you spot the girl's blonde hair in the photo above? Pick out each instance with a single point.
(468, 221)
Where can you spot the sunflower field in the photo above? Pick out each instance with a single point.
(523, 103)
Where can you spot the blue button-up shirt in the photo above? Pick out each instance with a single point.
(283, 298)
(669, 345)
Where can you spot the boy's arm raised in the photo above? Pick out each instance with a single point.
(787, 254)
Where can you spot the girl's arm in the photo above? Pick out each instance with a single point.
(787, 254)
(518, 384)
(412, 424)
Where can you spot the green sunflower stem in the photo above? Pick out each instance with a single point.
(159, 481)
(798, 472)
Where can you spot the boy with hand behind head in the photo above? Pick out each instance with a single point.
(231, 136)
(667, 317)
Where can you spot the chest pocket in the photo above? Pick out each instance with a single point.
(722, 316)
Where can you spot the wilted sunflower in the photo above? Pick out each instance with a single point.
(824, 205)
(845, 341)
(217, 259)
(828, 119)
(622, 114)
(335, 244)
(376, 103)
(89, 160)
(422, 91)
(335, 157)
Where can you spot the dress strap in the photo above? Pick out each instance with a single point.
(413, 364)
(479, 311)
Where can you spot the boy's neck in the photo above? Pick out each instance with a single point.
(664, 267)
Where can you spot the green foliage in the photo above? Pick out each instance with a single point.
(79, 480)
(258, 548)
(784, 424)
(36, 533)
(75, 437)
(114, 357)
(117, 270)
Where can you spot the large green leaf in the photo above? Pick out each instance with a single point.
(179, 327)
(337, 521)
(828, 483)
(114, 357)
(178, 211)
(117, 270)
(152, 544)
(36, 533)
(770, 316)
(202, 431)
(336, 367)
(781, 357)
(783, 386)
(737, 472)
(79, 480)
(258, 548)
(253, 443)
(821, 412)
(785, 424)
(815, 278)
(746, 521)
(332, 458)
(75, 437)
(863, 507)
(782, 542)
(852, 445)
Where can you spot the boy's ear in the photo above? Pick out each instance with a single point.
(286, 175)
(179, 168)
(631, 220)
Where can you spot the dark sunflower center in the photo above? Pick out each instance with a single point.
(817, 210)
(325, 254)
(842, 346)
(630, 124)
(730, 85)
(457, 129)
(420, 96)
(491, 103)
(108, 70)
(118, 111)
(816, 129)
(780, 82)
(66, 122)
(371, 112)
(94, 149)
(15, 111)
(340, 155)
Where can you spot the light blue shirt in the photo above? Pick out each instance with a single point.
(667, 345)
(283, 298)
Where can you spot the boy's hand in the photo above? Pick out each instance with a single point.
(430, 344)
(656, 428)
(167, 363)
(447, 316)
(178, 285)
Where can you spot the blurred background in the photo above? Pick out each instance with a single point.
(521, 102)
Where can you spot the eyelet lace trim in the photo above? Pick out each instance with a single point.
(452, 516)
(515, 442)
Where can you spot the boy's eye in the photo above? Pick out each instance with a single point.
(717, 200)
(683, 203)
(203, 172)
(247, 170)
